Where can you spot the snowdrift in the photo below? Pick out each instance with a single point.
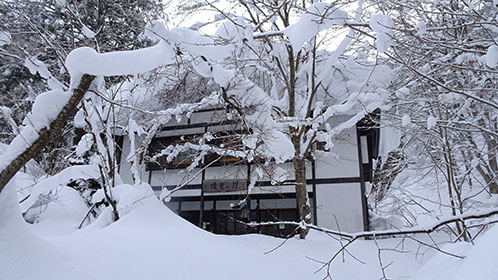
(151, 242)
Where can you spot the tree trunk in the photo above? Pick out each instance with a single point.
(492, 145)
(386, 172)
(45, 136)
(303, 205)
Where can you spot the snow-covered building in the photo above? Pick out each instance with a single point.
(212, 192)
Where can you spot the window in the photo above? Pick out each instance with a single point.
(225, 140)
(185, 157)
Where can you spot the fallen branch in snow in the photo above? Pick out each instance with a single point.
(352, 237)
(393, 232)
(87, 215)
(46, 134)
(283, 242)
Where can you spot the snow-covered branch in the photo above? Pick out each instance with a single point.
(394, 232)
(33, 138)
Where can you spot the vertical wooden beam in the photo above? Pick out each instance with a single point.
(313, 178)
(203, 177)
(364, 204)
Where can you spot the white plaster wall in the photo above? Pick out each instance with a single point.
(341, 202)
(226, 172)
(278, 189)
(225, 204)
(187, 192)
(342, 160)
(210, 116)
(173, 121)
(223, 128)
(256, 190)
(125, 166)
(168, 177)
(180, 132)
(287, 166)
(277, 203)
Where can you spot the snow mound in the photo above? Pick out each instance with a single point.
(149, 241)
(152, 242)
(23, 254)
(44, 187)
(479, 262)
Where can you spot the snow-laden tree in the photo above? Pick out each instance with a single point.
(283, 71)
(41, 34)
(445, 54)
(34, 40)
(276, 71)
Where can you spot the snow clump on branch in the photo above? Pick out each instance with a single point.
(382, 25)
(318, 17)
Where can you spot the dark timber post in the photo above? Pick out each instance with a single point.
(362, 181)
(248, 202)
(313, 177)
(214, 227)
(201, 212)
(203, 176)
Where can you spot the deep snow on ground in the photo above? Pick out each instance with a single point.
(151, 242)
